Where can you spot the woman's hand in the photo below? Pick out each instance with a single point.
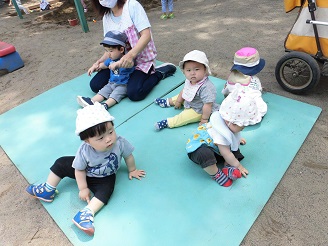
(85, 195)
(127, 61)
(138, 174)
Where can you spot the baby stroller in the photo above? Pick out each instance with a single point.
(307, 43)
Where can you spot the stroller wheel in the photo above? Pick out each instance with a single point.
(297, 72)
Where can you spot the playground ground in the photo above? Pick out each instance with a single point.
(296, 213)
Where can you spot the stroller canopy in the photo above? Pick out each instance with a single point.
(301, 37)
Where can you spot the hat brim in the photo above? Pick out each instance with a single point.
(250, 70)
(111, 43)
(181, 64)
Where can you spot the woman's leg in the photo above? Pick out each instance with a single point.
(140, 84)
(100, 80)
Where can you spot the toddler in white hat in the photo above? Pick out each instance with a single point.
(94, 166)
(198, 95)
(219, 139)
(247, 63)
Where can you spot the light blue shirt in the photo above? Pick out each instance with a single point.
(102, 164)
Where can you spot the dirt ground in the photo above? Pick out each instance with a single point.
(54, 52)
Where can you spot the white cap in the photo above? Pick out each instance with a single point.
(197, 56)
(90, 116)
(239, 108)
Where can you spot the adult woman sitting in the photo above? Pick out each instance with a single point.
(129, 16)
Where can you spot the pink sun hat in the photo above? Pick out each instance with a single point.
(247, 61)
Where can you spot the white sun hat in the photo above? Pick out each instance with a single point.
(197, 56)
(90, 116)
(239, 108)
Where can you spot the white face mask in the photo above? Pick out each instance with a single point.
(108, 3)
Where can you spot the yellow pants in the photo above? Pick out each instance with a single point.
(187, 116)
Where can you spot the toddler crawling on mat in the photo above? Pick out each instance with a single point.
(220, 138)
(94, 167)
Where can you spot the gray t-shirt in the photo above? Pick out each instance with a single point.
(101, 164)
(205, 94)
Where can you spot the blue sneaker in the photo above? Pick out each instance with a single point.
(41, 192)
(166, 69)
(84, 101)
(84, 221)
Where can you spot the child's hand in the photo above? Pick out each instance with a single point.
(94, 67)
(138, 174)
(114, 65)
(202, 121)
(85, 195)
(243, 170)
(177, 105)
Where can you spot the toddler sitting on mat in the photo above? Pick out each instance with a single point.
(247, 64)
(197, 96)
(94, 166)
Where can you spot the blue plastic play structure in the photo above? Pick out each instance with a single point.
(10, 60)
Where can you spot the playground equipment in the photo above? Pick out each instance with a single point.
(307, 43)
(10, 60)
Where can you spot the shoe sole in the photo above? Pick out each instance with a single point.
(88, 231)
(40, 198)
(81, 102)
(164, 64)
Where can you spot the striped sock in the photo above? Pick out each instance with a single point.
(222, 179)
(232, 172)
(49, 187)
(88, 208)
(164, 103)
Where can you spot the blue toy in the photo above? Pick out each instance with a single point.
(10, 60)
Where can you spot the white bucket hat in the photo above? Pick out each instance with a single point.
(197, 56)
(90, 116)
(239, 108)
